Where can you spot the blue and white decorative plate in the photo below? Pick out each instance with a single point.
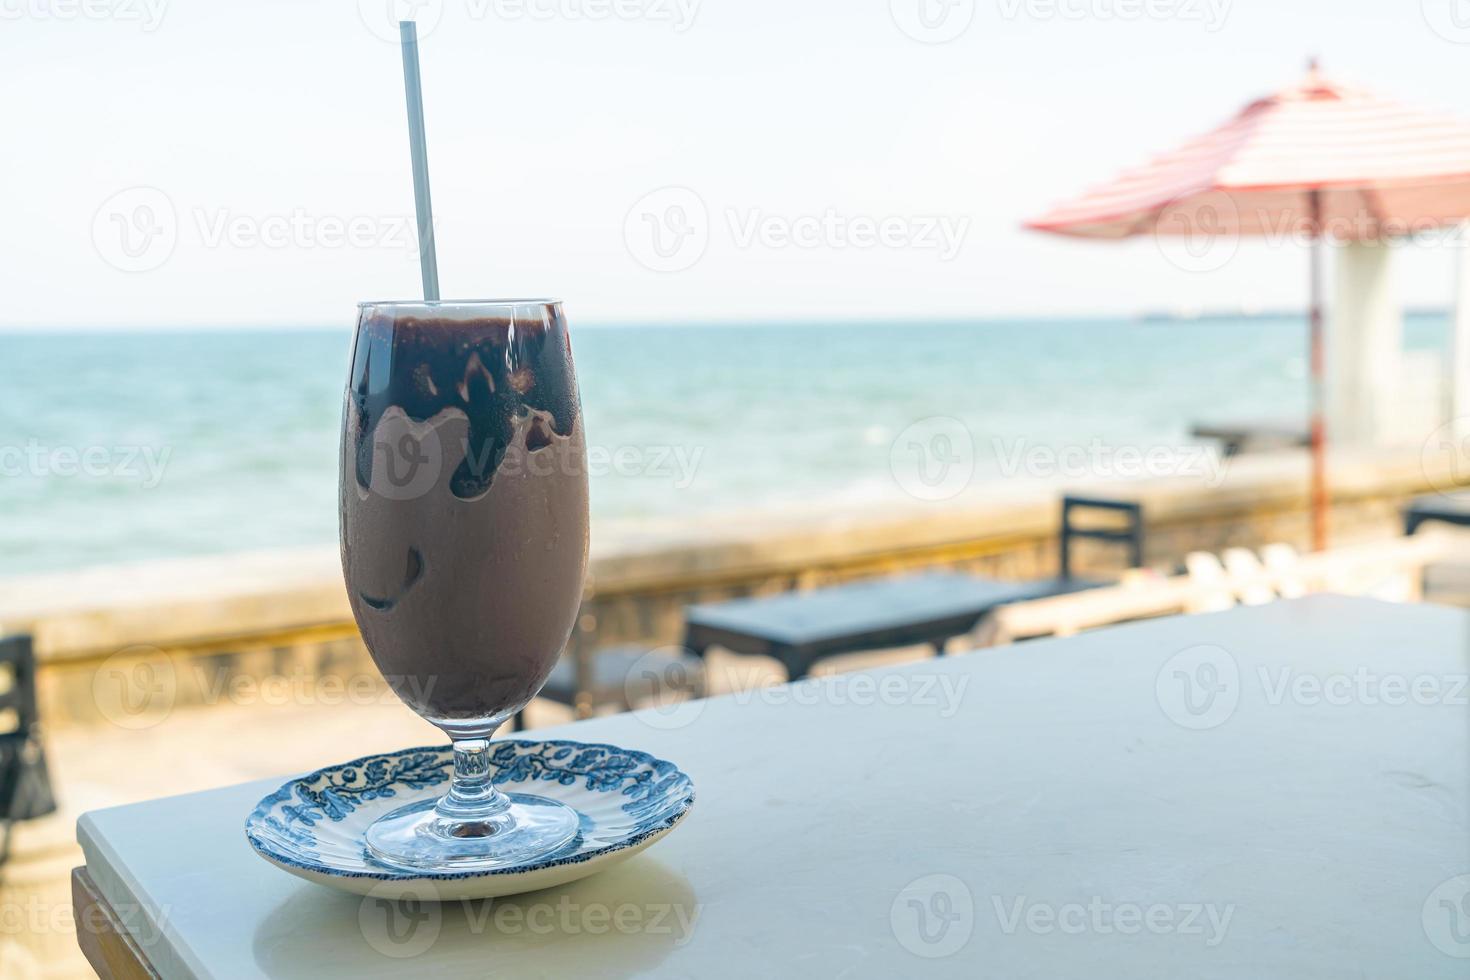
(313, 826)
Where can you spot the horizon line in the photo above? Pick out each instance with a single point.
(665, 322)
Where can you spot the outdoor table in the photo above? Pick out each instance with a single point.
(1449, 508)
(800, 628)
(1268, 791)
(1238, 436)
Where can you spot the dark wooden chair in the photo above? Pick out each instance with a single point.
(1130, 534)
(25, 784)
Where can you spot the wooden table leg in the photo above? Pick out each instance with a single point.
(101, 935)
(798, 663)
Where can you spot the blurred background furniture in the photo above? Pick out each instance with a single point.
(1283, 560)
(1245, 567)
(800, 628)
(1393, 570)
(1450, 508)
(1448, 581)
(1209, 581)
(1252, 435)
(25, 784)
(1129, 534)
(622, 676)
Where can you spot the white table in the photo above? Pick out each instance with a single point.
(1072, 815)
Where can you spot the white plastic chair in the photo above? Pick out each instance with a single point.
(1282, 560)
(1248, 577)
(1212, 587)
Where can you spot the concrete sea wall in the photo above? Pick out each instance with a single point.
(277, 624)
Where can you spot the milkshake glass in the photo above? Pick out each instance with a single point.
(464, 529)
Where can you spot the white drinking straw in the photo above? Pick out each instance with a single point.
(428, 261)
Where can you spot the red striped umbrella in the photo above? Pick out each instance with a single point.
(1317, 160)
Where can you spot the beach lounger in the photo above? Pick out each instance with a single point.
(801, 628)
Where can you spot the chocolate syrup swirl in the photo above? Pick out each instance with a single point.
(495, 370)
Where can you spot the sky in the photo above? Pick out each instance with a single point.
(190, 163)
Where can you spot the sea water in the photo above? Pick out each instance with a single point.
(118, 446)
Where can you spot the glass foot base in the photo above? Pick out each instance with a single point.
(419, 837)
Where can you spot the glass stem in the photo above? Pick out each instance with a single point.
(472, 795)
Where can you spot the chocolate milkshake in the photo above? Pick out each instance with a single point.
(463, 502)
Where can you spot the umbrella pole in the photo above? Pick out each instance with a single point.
(1318, 364)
